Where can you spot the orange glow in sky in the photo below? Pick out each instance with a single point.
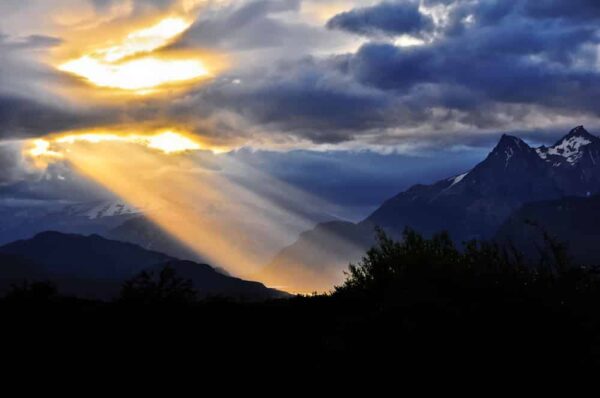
(168, 142)
(225, 222)
(133, 65)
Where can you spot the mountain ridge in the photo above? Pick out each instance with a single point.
(472, 205)
(95, 267)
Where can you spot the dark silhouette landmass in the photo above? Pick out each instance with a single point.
(416, 305)
(573, 220)
(93, 267)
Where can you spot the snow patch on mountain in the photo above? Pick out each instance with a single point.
(97, 210)
(457, 179)
(112, 209)
(509, 154)
(569, 149)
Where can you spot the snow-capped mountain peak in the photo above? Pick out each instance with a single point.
(111, 209)
(101, 209)
(569, 148)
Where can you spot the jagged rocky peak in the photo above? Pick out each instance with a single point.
(510, 141)
(569, 147)
(579, 131)
(576, 138)
(510, 147)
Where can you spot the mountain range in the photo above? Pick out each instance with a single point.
(95, 267)
(513, 194)
(94, 217)
(472, 205)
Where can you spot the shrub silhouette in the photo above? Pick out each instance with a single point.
(33, 292)
(149, 288)
(393, 270)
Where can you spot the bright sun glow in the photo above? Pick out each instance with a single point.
(146, 40)
(168, 142)
(117, 66)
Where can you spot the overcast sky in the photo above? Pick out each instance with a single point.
(330, 71)
(415, 77)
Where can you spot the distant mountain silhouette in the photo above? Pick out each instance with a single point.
(95, 267)
(143, 232)
(23, 222)
(70, 255)
(574, 221)
(472, 205)
(210, 282)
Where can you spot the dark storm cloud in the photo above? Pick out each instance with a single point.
(489, 65)
(485, 65)
(516, 59)
(23, 117)
(22, 113)
(560, 9)
(304, 98)
(385, 18)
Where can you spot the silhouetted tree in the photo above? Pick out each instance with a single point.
(33, 292)
(166, 287)
(391, 268)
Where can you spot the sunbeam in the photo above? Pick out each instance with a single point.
(235, 217)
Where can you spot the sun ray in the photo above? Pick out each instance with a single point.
(237, 225)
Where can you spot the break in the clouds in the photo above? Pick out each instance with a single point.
(326, 72)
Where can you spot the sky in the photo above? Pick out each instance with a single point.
(301, 73)
(304, 73)
(346, 101)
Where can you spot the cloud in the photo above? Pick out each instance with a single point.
(482, 67)
(22, 117)
(519, 59)
(25, 108)
(11, 164)
(254, 31)
(384, 19)
(560, 9)
(304, 98)
(511, 65)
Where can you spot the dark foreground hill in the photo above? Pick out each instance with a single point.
(95, 267)
(416, 307)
